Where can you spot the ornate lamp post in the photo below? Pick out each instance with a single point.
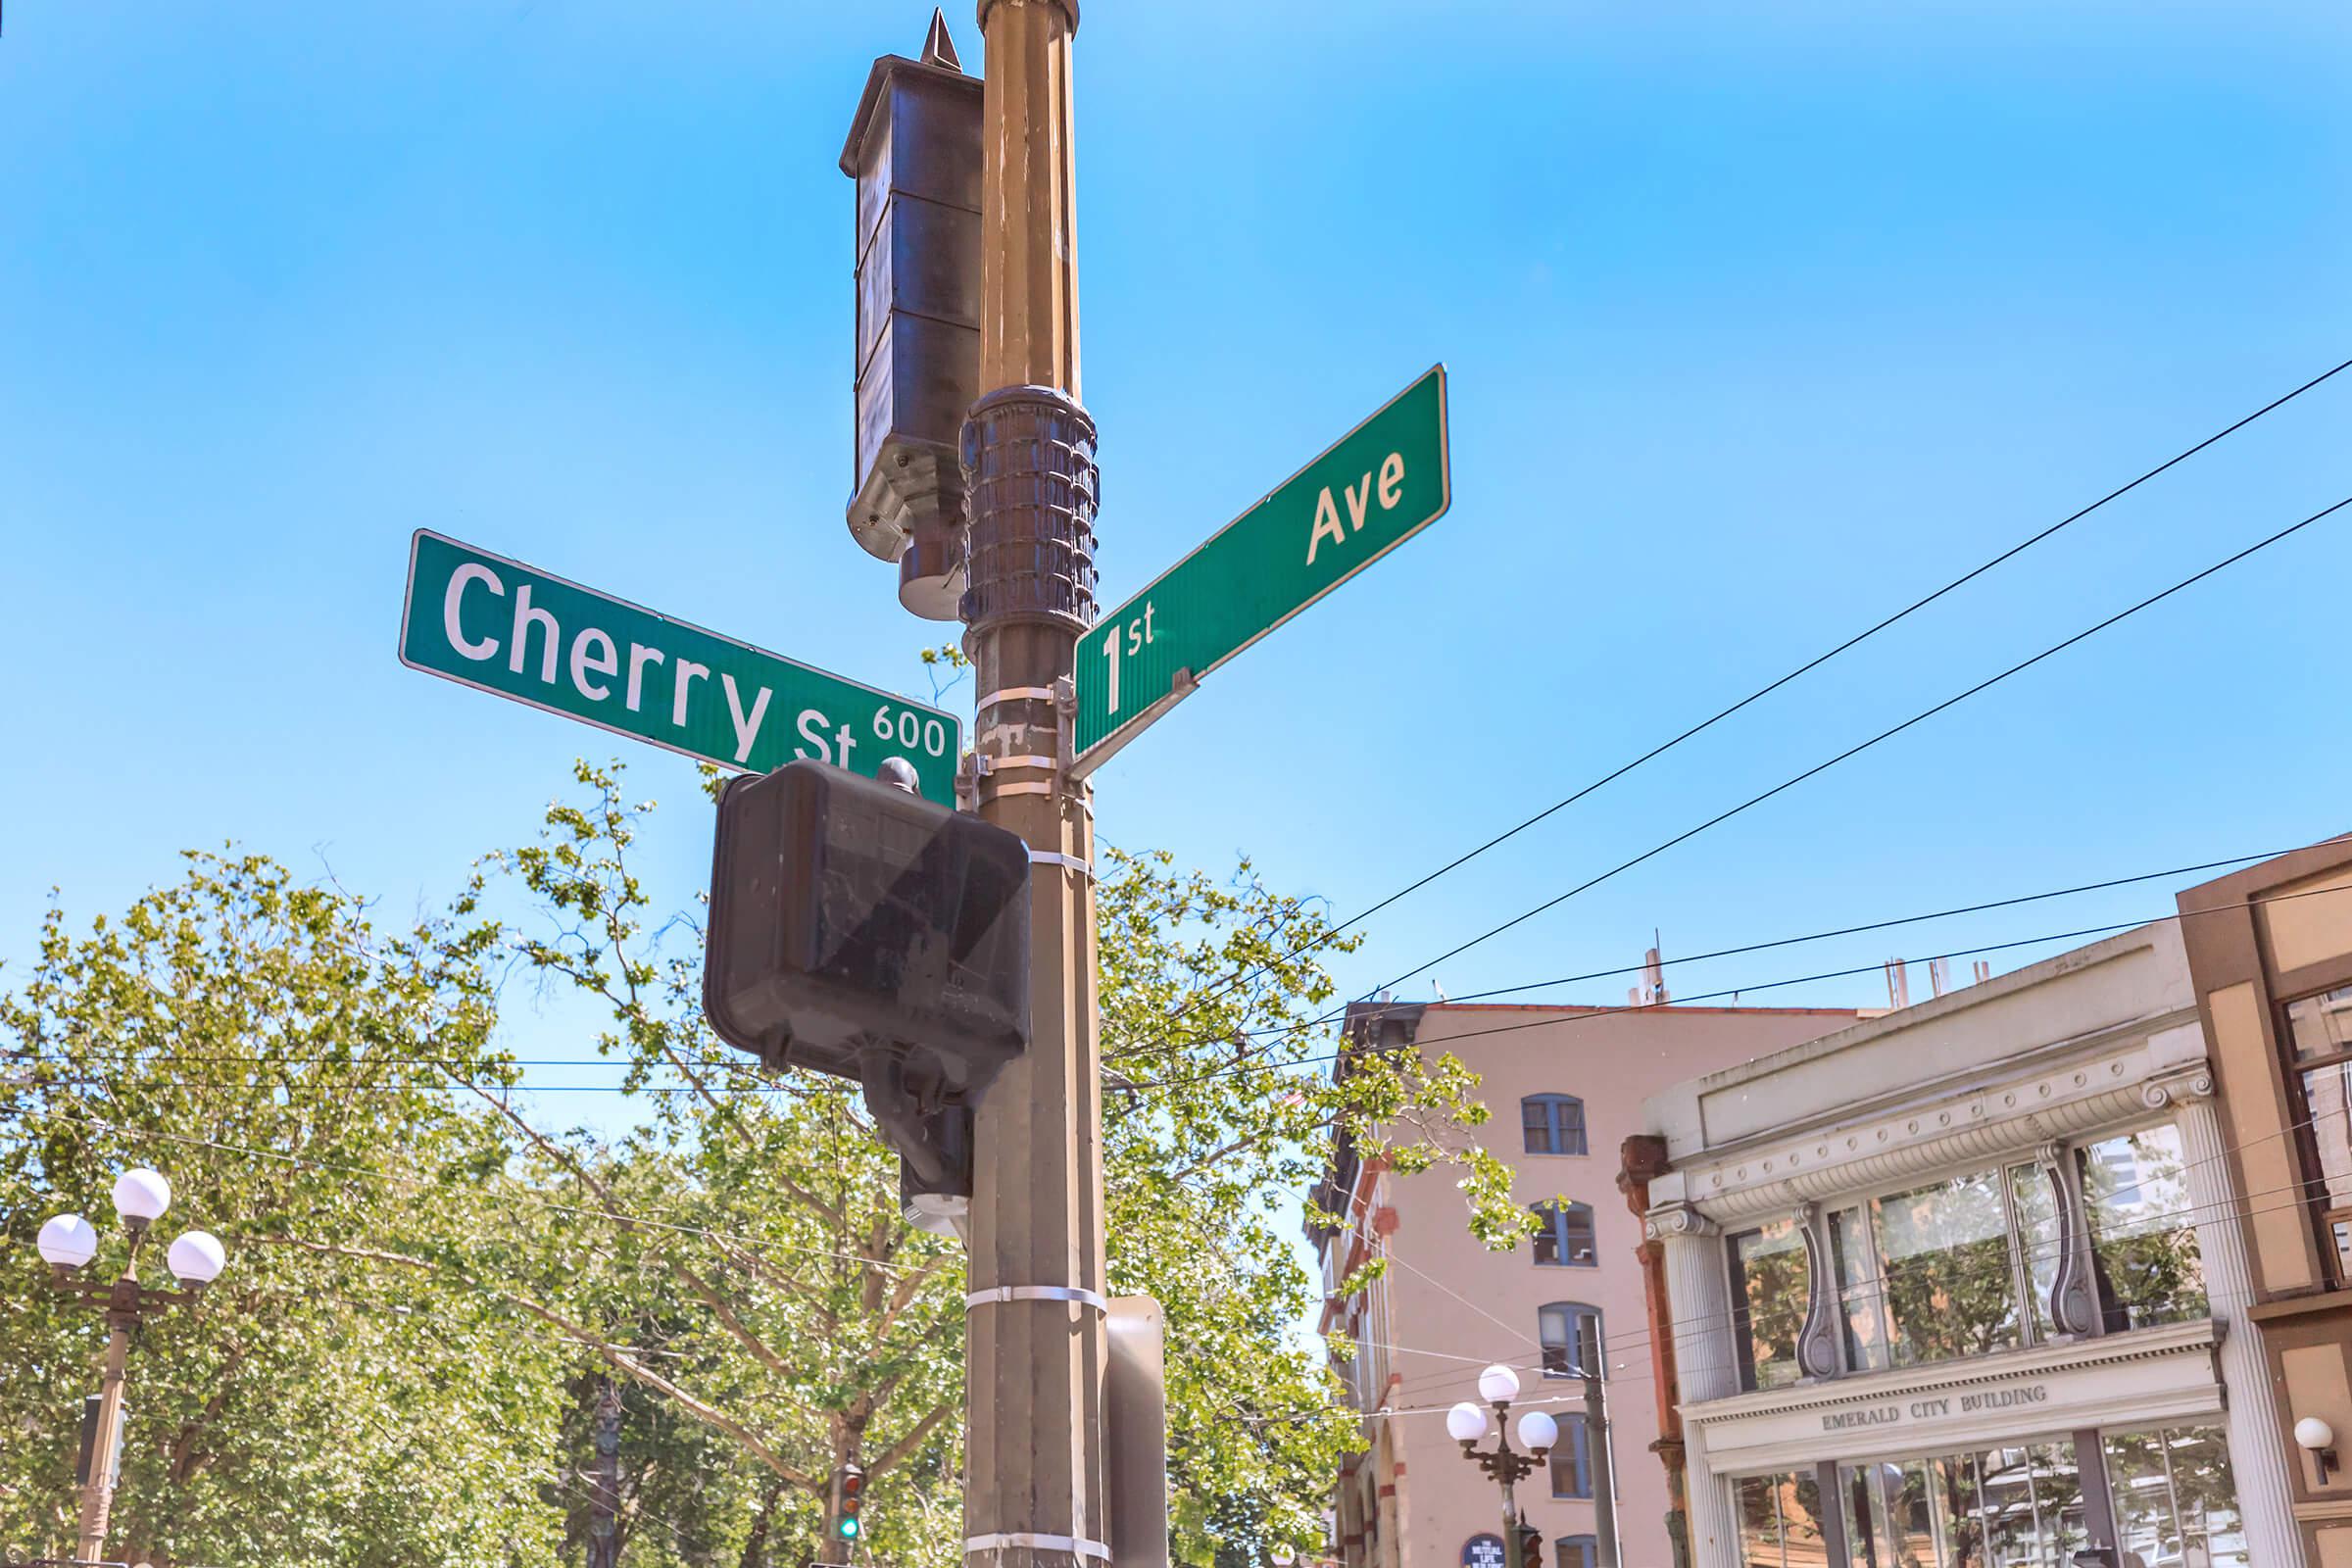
(69, 1242)
(1466, 1423)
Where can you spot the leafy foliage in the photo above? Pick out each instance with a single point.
(430, 1287)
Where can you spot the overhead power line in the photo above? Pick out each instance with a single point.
(1853, 751)
(1340, 927)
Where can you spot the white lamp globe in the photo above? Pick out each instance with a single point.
(2310, 1432)
(197, 1257)
(1538, 1432)
(68, 1240)
(1498, 1384)
(1466, 1422)
(142, 1194)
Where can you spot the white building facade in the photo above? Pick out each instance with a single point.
(1965, 1286)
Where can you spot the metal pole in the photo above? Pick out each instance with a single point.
(1603, 1468)
(98, 1492)
(1035, 1339)
(603, 1497)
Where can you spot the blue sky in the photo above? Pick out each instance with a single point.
(1762, 321)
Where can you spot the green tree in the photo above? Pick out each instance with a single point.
(272, 1053)
(429, 1285)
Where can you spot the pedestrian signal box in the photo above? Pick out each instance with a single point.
(861, 930)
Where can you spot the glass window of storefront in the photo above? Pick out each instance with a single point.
(1780, 1522)
(2143, 1244)
(1966, 1266)
(2017, 1506)
(2321, 1029)
(1768, 1301)
(2173, 1502)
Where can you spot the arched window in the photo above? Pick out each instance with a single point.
(1579, 1551)
(1570, 1333)
(1564, 1239)
(1572, 1457)
(1552, 1125)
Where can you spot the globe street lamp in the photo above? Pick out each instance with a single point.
(69, 1243)
(1466, 1423)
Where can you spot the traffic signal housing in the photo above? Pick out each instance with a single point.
(848, 914)
(861, 930)
(848, 1485)
(1531, 1548)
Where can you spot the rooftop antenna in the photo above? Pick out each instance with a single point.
(938, 48)
(1898, 984)
(1983, 970)
(1939, 975)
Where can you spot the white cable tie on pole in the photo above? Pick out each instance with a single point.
(997, 1541)
(1036, 1293)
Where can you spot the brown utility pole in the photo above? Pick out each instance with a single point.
(98, 1487)
(603, 1493)
(1034, 1339)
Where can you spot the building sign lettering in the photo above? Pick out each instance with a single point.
(1880, 1415)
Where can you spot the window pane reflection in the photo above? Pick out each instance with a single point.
(2142, 1237)
(2174, 1497)
(2011, 1507)
(1768, 1301)
(1949, 1290)
(1780, 1522)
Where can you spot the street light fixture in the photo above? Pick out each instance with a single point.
(67, 1243)
(1466, 1423)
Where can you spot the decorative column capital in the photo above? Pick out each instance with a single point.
(1677, 1221)
(2190, 1082)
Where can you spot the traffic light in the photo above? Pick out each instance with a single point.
(1531, 1548)
(850, 1484)
(861, 930)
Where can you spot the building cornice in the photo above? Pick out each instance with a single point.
(2004, 1366)
(1979, 1123)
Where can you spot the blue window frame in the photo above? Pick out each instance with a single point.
(1572, 1459)
(1568, 1331)
(1579, 1551)
(1552, 1125)
(1564, 1237)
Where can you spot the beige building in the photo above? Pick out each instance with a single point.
(1565, 1086)
(2270, 949)
(1968, 1286)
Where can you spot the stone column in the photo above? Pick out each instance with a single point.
(1706, 1364)
(2257, 1451)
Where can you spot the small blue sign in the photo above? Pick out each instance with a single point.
(1482, 1551)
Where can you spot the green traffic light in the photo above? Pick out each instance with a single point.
(849, 1529)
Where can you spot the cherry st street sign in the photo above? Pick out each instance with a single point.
(500, 626)
(1375, 488)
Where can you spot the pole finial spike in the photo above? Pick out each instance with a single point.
(938, 49)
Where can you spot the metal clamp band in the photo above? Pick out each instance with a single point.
(1028, 759)
(1021, 789)
(1017, 694)
(1068, 863)
(1075, 1545)
(1036, 1293)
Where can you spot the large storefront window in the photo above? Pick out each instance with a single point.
(1956, 1269)
(2173, 1499)
(1768, 1302)
(1968, 1266)
(1780, 1522)
(2144, 1243)
(2017, 1506)
(2321, 1030)
(1951, 1290)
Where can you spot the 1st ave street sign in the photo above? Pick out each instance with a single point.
(500, 627)
(1382, 483)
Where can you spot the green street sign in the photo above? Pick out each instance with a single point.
(509, 629)
(1382, 483)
